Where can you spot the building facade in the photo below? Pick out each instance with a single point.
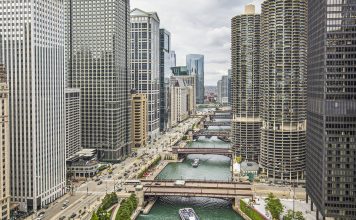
(195, 65)
(32, 49)
(4, 146)
(331, 113)
(179, 101)
(73, 122)
(283, 88)
(97, 62)
(223, 90)
(139, 120)
(182, 94)
(229, 89)
(145, 53)
(164, 74)
(245, 91)
(189, 81)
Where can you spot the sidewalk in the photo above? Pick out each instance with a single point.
(299, 205)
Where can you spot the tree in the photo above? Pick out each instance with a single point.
(274, 206)
(297, 215)
(94, 217)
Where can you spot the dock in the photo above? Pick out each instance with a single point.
(149, 206)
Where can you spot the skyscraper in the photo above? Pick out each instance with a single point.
(145, 50)
(229, 89)
(331, 124)
(223, 90)
(195, 65)
(283, 88)
(97, 62)
(32, 49)
(4, 146)
(245, 49)
(164, 74)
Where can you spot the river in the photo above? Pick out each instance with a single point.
(212, 167)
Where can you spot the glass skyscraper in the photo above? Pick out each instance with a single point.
(97, 62)
(331, 124)
(145, 51)
(283, 88)
(245, 48)
(164, 74)
(195, 65)
(32, 49)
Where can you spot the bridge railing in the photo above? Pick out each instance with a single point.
(198, 181)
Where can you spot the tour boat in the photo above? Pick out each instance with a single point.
(188, 214)
(195, 164)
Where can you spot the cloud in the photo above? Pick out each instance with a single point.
(199, 26)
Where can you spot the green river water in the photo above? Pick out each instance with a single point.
(212, 167)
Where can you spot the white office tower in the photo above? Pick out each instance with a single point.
(145, 63)
(32, 49)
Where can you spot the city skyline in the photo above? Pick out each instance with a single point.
(209, 18)
(107, 109)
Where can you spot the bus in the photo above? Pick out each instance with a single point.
(132, 182)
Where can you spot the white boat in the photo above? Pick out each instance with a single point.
(195, 164)
(188, 214)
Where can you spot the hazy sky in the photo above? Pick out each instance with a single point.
(199, 26)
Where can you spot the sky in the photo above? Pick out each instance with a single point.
(199, 27)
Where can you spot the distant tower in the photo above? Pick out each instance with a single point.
(331, 124)
(245, 84)
(283, 88)
(195, 65)
(145, 63)
(165, 55)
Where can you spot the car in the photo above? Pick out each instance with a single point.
(62, 218)
(73, 215)
(41, 214)
(100, 182)
(96, 180)
(157, 184)
(64, 207)
(45, 207)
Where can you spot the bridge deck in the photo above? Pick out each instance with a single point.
(197, 189)
(218, 151)
(217, 123)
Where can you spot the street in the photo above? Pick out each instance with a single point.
(87, 197)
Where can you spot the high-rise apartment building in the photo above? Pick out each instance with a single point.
(331, 113)
(139, 120)
(73, 122)
(195, 65)
(245, 49)
(283, 88)
(4, 146)
(145, 54)
(97, 62)
(32, 49)
(164, 74)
